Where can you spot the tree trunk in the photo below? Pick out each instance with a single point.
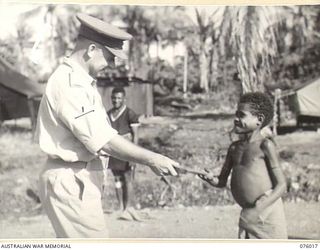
(185, 73)
(213, 78)
(203, 69)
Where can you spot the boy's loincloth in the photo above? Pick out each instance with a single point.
(271, 224)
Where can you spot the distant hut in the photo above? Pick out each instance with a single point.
(19, 95)
(139, 93)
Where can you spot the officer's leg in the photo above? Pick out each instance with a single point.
(73, 203)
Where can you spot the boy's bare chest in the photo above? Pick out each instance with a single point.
(246, 154)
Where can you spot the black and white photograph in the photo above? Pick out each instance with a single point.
(188, 122)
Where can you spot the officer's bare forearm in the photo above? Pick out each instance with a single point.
(123, 149)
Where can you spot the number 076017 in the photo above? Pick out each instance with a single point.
(309, 245)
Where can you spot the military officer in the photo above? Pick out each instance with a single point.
(74, 131)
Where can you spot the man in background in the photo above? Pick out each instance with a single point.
(125, 121)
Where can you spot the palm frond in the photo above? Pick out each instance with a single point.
(254, 43)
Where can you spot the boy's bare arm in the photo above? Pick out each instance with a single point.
(221, 180)
(227, 166)
(276, 174)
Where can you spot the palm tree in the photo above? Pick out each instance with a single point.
(253, 37)
(302, 26)
(206, 30)
(144, 32)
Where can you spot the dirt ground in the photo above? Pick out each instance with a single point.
(212, 222)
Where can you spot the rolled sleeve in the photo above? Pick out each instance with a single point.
(103, 132)
(85, 120)
(133, 117)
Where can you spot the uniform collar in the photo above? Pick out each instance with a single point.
(81, 77)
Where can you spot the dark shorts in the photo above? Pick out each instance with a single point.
(118, 166)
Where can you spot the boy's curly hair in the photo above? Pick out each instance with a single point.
(260, 104)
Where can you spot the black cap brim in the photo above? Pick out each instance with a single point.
(117, 52)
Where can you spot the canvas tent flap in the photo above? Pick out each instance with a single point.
(14, 80)
(308, 99)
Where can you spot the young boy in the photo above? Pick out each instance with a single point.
(257, 181)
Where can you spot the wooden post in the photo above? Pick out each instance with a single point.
(33, 116)
(185, 73)
(276, 112)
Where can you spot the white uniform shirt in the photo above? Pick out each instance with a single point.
(72, 122)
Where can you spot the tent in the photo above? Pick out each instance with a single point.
(308, 99)
(304, 101)
(307, 103)
(19, 95)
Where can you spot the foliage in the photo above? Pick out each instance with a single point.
(297, 68)
(11, 52)
(259, 44)
(57, 35)
(253, 41)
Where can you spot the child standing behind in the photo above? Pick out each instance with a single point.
(257, 181)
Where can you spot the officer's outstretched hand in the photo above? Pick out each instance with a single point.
(162, 165)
